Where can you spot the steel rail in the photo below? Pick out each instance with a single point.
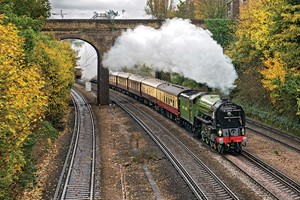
(71, 188)
(93, 147)
(281, 183)
(294, 186)
(71, 148)
(185, 175)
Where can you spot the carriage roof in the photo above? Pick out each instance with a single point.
(173, 89)
(153, 82)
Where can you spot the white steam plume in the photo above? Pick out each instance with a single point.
(178, 46)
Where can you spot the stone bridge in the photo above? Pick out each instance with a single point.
(101, 34)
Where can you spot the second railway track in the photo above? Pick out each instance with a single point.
(287, 191)
(289, 141)
(77, 177)
(277, 184)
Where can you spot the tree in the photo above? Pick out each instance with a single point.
(35, 9)
(210, 9)
(268, 35)
(159, 9)
(57, 60)
(222, 30)
(185, 10)
(27, 16)
(22, 103)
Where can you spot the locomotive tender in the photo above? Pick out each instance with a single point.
(217, 121)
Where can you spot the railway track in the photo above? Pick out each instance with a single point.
(277, 185)
(274, 182)
(289, 141)
(202, 181)
(77, 177)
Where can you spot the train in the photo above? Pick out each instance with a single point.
(215, 120)
(78, 72)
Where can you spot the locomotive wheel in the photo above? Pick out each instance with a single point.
(212, 144)
(202, 136)
(221, 148)
(207, 140)
(195, 133)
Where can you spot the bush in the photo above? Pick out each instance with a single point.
(269, 116)
(222, 30)
(57, 61)
(22, 104)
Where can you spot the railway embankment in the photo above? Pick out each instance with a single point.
(125, 153)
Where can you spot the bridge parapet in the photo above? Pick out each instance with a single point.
(104, 24)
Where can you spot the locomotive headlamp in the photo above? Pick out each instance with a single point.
(220, 132)
(243, 131)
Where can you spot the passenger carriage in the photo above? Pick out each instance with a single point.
(113, 79)
(168, 99)
(149, 90)
(134, 86)
(122, 81)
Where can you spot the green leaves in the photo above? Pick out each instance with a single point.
(222, 30)
(268, 38)
(35, 78)
(57, 61)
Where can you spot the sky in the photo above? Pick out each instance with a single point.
(84, 9)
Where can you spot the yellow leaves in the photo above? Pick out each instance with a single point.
(274, 75)
(22, 101)
(57, 61)
(28, 90)
(268, 35)
(275, 69)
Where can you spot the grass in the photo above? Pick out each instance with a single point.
(269, 116)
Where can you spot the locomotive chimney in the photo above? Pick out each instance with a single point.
(225, 97)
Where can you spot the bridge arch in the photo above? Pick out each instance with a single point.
(86, 40)
(101, 34)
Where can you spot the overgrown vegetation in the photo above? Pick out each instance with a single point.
(222, 30)
(36, 74)
(44, 134)
(266, 50)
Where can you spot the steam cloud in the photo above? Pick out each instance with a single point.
(178, 46)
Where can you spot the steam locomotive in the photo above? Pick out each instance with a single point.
(217, 121)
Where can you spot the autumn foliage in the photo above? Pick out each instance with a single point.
(31, 90)
(57, 61)
(268, 39)
(22, 102)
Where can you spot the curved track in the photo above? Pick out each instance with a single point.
(275, 183)
(77, 177)
(289, 141)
